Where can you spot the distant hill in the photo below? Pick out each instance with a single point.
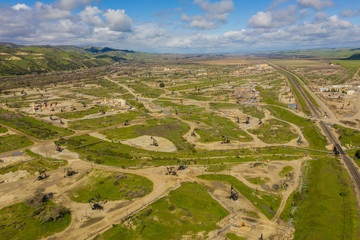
(19, 59)
(332, 53)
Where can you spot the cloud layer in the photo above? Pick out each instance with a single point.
(284, 24)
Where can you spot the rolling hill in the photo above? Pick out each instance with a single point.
(20, 60)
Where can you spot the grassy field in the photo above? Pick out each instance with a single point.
(286, 212)
(105, 89)
(146, 91)
(267, 203)
(350, 65)
(348, 137)
(274, 131)
(23, 222)
(81, 114)
(36, 164)
(216, 168)
(233, 236)
(3, 130)
(185, 211)
(312, 134)
(328, 206)
(169, 128)
(32, 126)
(13, 142)
(103, 122)
(179, 108)
(218, 127)
(246, 109)
(111, 186)
(285, 171)
(258, 180)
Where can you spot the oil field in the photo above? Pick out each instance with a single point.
(180, 120)
(233, 148)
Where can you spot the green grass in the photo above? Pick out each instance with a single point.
(179, 108)
(246, 109)
(111, 186)
(258, 180)
(285, 171)
(35, 164)
(348, 137)
(218, 127)
(301, 100)
(286, 212)
(13, 142)
(103, 122)
(106, 89)
(81, 114)
(185, 211)
(274, 131)
(233, 236)
(146, 91)
(22, 222)
(3, 130)
(216, 167)
(328, 209)
(312, 134)
(267, 203)
(170, 128)
(32, 126)
(350, 65)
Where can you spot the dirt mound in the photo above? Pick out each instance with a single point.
(146, 142)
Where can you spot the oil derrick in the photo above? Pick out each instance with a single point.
(193, 134)
(95, 203)
(261, 238)
(247, 120)
(73, 108)
(171, 171)
(84, 105)
(61, 121)
(102, 112)
(234, 195)
(126, 123)
(237, 119)
(68, 172)
(42, 175)
(260, 121)
(51, 117)
(225, 140)
(154, 143)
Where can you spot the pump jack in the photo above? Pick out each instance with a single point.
(42, 175)
(95, 203)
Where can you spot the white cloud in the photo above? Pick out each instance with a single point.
(350, 13)
(273, 19)
(91, 16)
(72, 4)
(49, 12)
(317, 4)
(21, 6)
(223, 6)
(117, 20)
(215, 14)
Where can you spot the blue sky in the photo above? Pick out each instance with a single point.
(183, 26)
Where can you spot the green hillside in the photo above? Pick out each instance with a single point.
(20, 60)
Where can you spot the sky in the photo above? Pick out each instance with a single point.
(183, 26)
